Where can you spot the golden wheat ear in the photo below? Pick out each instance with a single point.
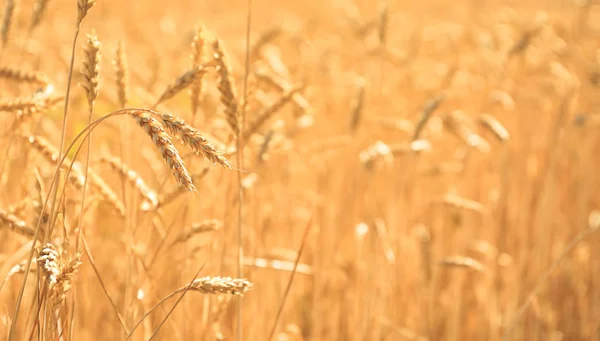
(192, 138)
(163, 142)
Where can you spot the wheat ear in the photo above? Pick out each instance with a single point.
(218, 285)
(193, 75)
(192, 138)
(15, 224)
(7, 20)
(196, 57)
(226, 87)
(163, 142)
(24, 76)
(122, 74)
(83, 6)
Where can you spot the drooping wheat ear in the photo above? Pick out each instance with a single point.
(192, 138)
(122, 74)
(431, 105)
(24, 76)
(269, 111)
(209, 225)
(163, 142)
(39, 8)
(185, 80)
(226, 87)
(7, 20)
(492, 124)
(83, 6)
(150, 197)
(91, 68)
(196, 57)
(15, 224)
(48, 264)
(218, 285)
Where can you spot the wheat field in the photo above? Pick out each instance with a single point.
(299, 170)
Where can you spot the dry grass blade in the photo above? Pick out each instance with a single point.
(463, 262)
(492, 124)
(163, 142)
(457, 201)
(192, 138)
(430, 107)
(357, 104)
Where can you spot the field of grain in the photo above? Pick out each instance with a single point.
(300, 170)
